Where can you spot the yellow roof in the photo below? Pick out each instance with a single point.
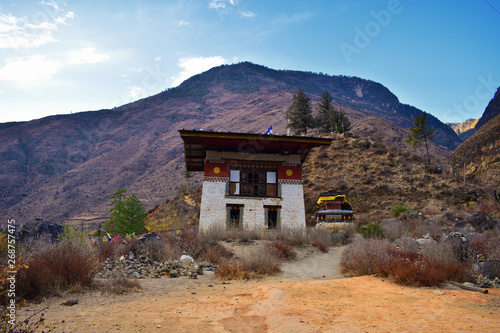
(331, 198)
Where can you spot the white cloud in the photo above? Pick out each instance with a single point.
(25, 32)
(217, 4)
(183, 23)
(87, 55)
(33, 68)
(158, 59)
(44, 67)
(195, 65)
(135, 92)
(248, 14)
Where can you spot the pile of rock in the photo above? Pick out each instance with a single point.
(143, 267)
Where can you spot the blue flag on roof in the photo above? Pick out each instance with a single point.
(270, 130)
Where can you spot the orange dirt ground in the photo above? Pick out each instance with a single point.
(362, 304)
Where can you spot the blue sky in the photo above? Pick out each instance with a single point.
(60, 57)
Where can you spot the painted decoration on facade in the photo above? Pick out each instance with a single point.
(216, 169)
(289, 172)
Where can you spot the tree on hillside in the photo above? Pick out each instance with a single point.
(127, 214)
(186, 174)
(330, 119)
(299, 113)
(420, 133)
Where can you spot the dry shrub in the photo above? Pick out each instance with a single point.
(320, 236)
(185, 242)
(212, 236)
(261, 264)
(119, 283)
(436, 264)
(295, 236)
(365, 257)
(320, 245)
(213, 254)
(282, 250)
(488, 245)
(421, 270)
(57, 266)
(393, 229)
(113, 249)
(253, 265)
(230, 270)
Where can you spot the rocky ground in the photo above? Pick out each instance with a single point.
(309, 296)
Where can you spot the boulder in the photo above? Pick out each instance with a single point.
(39, 228)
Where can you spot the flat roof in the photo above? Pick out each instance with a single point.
(197, 142)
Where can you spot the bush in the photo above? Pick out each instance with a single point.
(57, 266)
(320, 245)
(392, 229)
(371, 230)
(436, 264)
(399, 209)
(213, 254)
(282, 250)
(253, 265)
(365, 257)
(119, 283)
(422, 270)
(230, 270)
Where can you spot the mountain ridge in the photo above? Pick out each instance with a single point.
(66, 166)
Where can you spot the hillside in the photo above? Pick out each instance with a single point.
(481, 155)
(464, 130)
(374, 168)
(491, 111)
(63, 168)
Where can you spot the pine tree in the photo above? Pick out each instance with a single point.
(127, 214)
(186, 174)
(325, 112)
(330, 119)
(299, 113)
(419, 134)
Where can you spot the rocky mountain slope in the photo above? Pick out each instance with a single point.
(464, 130)
(480, 155)
(64, 168)
(492, 110)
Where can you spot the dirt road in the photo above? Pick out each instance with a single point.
(292, 302)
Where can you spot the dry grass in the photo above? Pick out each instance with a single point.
(251, 265)
(118, 283)
(434, 265)
(281, 250)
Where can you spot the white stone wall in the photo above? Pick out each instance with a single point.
(293, 213)
(213, 207)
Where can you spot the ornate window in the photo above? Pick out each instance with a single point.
(253, 182)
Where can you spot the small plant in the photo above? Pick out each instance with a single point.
(371, 230)
(25, 326)
(119, 283)
(230, 270)
(282, 250)
(320, 245)
(399, 209)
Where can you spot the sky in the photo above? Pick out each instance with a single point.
(62, 57)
